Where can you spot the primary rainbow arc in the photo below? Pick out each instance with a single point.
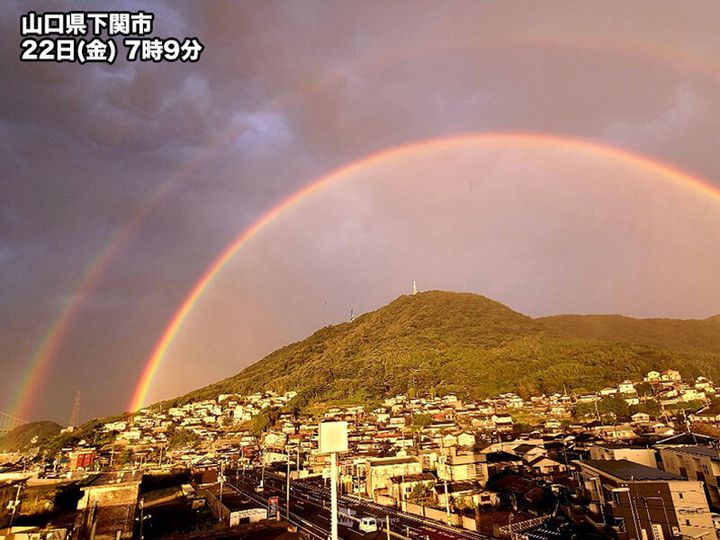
(550, 142)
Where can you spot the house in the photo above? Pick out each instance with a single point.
(529, 452)
(276, 440)
(670, 375)
(643, 502)
(204, 471)
(465, 439)
(401, 487)
(81, 459)
(709, 414)
(626, 387)
(449, 440)
(501, 460)
(632, 399)
(461, 465)
(691, 394)
(616, 433)
(636, 454)
(552, 424)
(640, 418)
(546, 466)
(502, 422)
(379, 470)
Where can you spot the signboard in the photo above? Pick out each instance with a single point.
(333, 437)
(345, 517)
(251, 515)
(273, 503)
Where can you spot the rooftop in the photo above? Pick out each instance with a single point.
(707, 451)
(627, 470)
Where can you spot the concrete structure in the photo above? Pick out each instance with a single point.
(379, 470)
(636, 454)
(695, 463)
(107, 506)
(459, 466)
(643, 502)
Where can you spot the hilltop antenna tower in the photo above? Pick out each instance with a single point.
(75, 414)
(352, 314)
(414, 287)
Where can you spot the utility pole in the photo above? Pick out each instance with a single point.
(93, 522)
(262, 474)
(287, 488)
(447, 498)
(15, 504)
(333, 496)
(222, 478)
(142, 516)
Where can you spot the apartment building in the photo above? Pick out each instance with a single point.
(641, 502)
(695, 463)
(636, 454)
(458, 465)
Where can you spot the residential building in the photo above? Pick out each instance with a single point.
(641, 502)
(695, 463)
(636, 454)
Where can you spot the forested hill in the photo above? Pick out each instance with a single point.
(28, 436)
(673, 334)
(469, 344)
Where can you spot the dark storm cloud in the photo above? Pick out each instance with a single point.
(285, 92)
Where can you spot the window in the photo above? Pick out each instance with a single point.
(681, 495)
(657, 532)
(687, 522)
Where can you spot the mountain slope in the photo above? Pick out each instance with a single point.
(457, 342)
(673, 334)
(28, 435)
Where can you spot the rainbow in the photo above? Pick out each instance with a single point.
(39, 364)
(54, 336)
(532, 140)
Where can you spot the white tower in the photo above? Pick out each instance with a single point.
(414, 287)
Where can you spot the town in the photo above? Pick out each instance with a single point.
(637, 460)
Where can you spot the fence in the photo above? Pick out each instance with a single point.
(514, 530)
(435, 514)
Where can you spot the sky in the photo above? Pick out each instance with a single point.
(121, 184)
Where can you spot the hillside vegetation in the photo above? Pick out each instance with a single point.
(677, 335)
(476, 347)
(24, 436)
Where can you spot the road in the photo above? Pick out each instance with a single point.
(310, 508)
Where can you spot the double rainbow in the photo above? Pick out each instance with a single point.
(480, 140)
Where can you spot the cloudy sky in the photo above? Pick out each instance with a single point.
(120, 184)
